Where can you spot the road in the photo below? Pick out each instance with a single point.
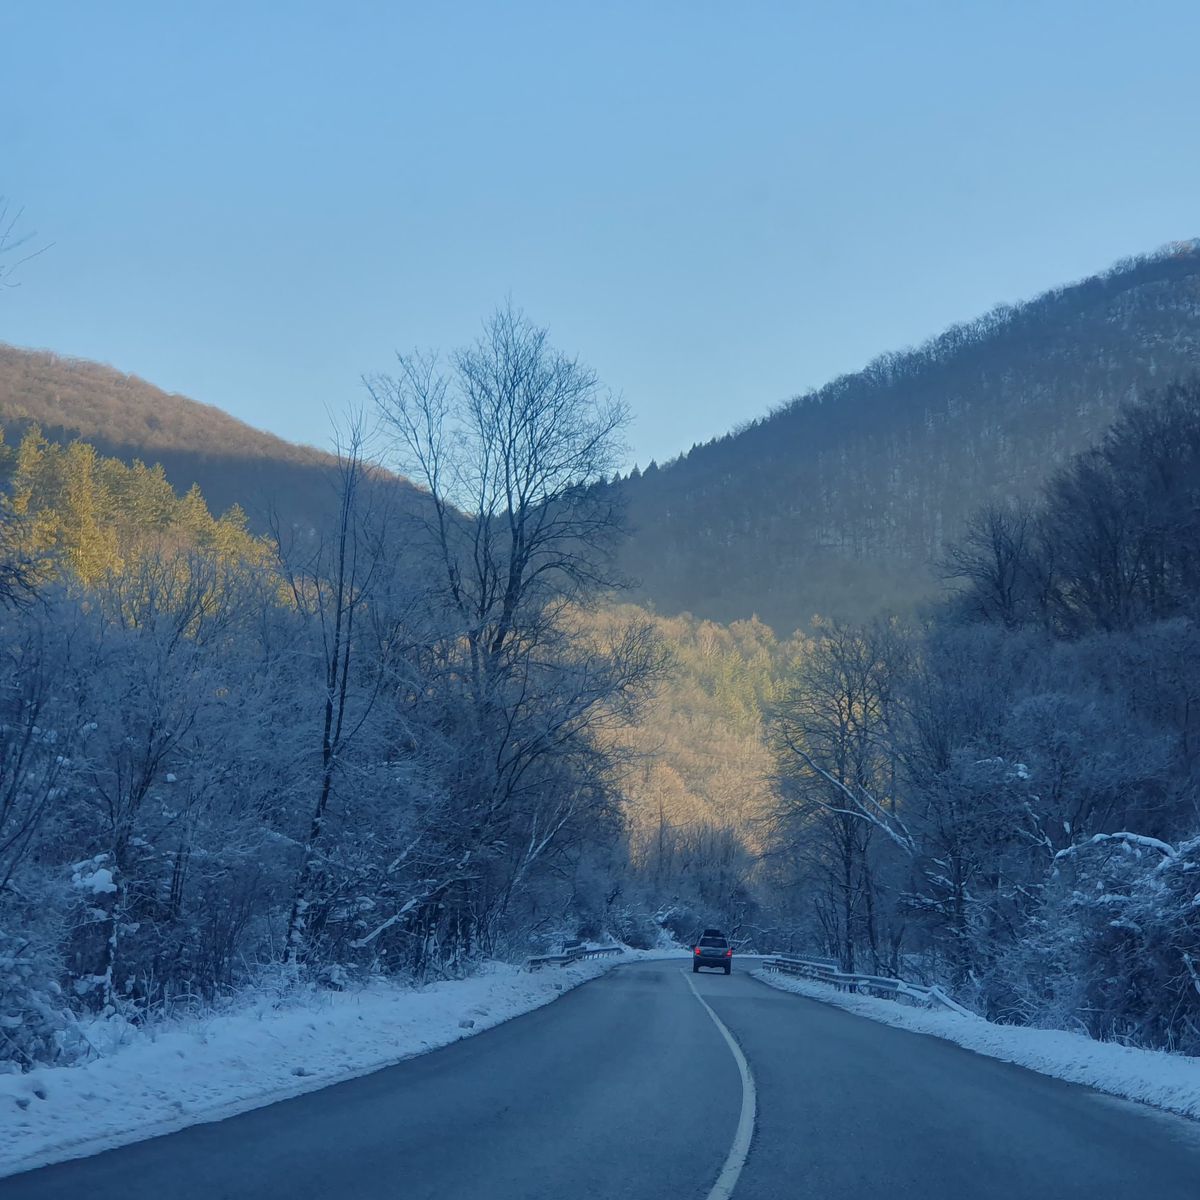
(628, 1088)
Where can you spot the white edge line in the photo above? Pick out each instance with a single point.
(736, 1158)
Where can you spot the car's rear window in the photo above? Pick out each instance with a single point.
(713, 942)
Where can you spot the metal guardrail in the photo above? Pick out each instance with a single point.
(572, 952)
(824, 971)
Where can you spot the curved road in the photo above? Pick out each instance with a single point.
(627, 1088)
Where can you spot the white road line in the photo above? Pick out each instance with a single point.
(736, 1158)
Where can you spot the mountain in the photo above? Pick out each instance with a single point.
(841, 501)
(128, 418)
(838, 503)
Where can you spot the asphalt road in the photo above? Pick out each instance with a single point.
(627, 1087)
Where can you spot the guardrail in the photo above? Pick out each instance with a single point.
(572, 952)
(824, 971)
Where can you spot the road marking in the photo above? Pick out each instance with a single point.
(736, 1159)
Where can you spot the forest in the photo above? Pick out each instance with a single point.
(839, 503)
(377, 748)
(125, 417)
(412, 737)
(1003, 797)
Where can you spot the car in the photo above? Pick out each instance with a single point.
(712, 950)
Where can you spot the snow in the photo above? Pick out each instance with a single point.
(147, 1082)
(1170, 1082)
(89, 876)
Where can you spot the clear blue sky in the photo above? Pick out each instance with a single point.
(717, 205)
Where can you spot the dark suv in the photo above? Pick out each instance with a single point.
(712, 950)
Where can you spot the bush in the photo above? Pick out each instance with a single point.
(34, 1021)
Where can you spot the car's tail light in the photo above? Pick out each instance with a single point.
(729, 952)
(697, 950)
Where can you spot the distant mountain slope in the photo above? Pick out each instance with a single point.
(839, 502)
(128, 418)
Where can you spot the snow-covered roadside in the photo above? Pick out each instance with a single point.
(202, 1070)
(1167, 1081)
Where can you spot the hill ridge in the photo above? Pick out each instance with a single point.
(125, 416)
(837, 502)
(848, 492)
(136, 387)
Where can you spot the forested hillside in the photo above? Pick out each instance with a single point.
(228, 755)
(228, 759)
(128, 418)
(1006, 797)
(840, 502)
(696, 785)
(70, 509)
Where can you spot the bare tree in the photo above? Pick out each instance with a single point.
(18, 572)
(38, 728)
(331, 582)
(16, 248)
(837, 775)
(513, 442)
(997, 560)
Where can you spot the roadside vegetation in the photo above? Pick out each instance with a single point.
(427, 729)
(1004, 797)
(372, 747)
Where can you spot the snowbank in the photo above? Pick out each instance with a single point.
(1167, 1081)
(171, 1076)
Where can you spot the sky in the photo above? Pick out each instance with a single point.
(716, 206)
